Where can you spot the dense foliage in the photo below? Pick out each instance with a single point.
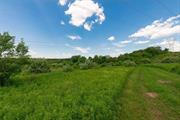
(12, 57)
(146, 56)
(39, 66)
(67, 68)
(7, 69)
(176, 69)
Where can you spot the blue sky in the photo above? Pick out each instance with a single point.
(62, 28)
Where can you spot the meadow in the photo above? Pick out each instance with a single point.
(108, 93)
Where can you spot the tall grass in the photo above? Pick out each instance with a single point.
(86, 95)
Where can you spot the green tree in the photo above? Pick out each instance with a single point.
(21, 49)
(8, 58)
(6, 45)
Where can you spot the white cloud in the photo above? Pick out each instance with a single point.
(74, 37)
(63, 2)
(160, 29)
(82, 50)
(126, 41)
(62, 22)
(142, 42)
(171, 44)
(112, 38)
(122, 44)
(87, 26)
(81, 10)
(119, 45)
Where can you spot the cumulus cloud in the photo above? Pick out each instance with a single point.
(171, 44)
(112, 38)
(81, 10)
(74, 37)
(142, 42)
(159, 29)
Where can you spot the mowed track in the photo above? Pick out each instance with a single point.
(150, 94)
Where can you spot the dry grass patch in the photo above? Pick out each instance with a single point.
(152, 94)
(164, 81)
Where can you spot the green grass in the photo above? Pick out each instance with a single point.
(111, 93)
(164, 66)
(86, 95)
(170, 67)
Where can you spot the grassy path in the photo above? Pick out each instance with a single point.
(150, 94)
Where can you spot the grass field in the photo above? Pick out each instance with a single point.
(112, 93)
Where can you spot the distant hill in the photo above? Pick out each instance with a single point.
(153, 55)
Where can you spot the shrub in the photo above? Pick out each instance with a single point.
(106, 64)
(176, 69)
(39, 66)
(145, 61)
(7, 69)
(83, 66)
(67, 68)
(91, 64)
(87, 65)
(57, 65)
(170, 60)
(128, 63)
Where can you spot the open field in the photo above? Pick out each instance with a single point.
(110, 93)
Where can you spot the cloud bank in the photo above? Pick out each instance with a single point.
(159, 29)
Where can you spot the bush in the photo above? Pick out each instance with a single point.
(87, 65)
(176, 69)
(170, 60)
(84, 66)
(129, 63)
(39, 66)
(57, 65)
(91, 64)
(67, 68)
(7, 69)
(106, 64)
(145, 61)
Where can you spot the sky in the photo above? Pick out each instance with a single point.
(63, 28)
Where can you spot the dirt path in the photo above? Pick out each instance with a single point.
(145, 98)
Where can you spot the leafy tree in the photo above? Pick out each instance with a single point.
(6, 45)
(75, 59)
(21, 49)
(8, 58)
